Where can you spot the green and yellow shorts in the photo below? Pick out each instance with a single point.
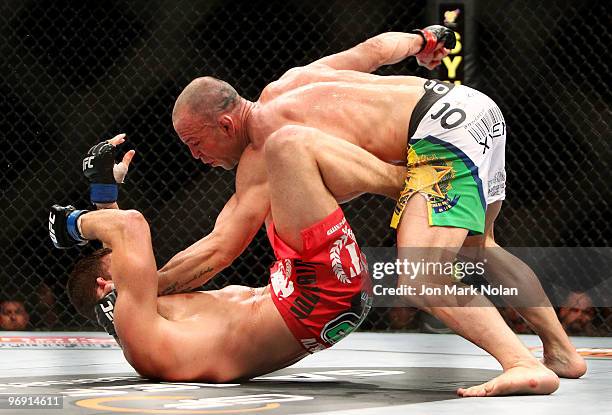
(456, 156)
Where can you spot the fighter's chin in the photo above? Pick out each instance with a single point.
(227, 166)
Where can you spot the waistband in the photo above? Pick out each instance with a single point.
(434, 90)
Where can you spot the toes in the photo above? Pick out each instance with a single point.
(463, 392)
(474, 391)
(468, 392)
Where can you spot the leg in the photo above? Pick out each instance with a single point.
(329, 169)
(506, 269)
(481, 324)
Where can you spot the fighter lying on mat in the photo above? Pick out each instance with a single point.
(320, 281)
(336, 108)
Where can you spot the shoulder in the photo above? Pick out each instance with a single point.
(293, 78)
(251, 169)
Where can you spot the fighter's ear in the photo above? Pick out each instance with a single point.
(103, 286)
(227, 125)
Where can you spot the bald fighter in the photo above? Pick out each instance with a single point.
(334, 109)
(319, 287)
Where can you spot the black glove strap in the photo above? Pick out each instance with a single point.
(420, 33)
(104, 310)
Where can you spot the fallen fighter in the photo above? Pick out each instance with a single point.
(236, 332)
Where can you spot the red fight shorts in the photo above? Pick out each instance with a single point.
(324, 292)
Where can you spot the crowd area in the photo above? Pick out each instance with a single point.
(577, 315)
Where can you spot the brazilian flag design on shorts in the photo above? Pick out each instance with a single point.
(449, 181)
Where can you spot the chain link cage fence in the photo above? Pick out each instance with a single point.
(73, 73)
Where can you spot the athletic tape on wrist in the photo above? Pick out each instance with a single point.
(103, 193)
(78, 222)
(430, 42)
(71, 225)
(424, 43)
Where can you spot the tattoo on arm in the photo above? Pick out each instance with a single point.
(169, 289)
(177, 287)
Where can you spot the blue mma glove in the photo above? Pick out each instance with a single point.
(63, 229)
(98, 168)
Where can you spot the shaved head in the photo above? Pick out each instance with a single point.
(205, 98)
(210, 118)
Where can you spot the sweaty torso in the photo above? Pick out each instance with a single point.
(370, 111)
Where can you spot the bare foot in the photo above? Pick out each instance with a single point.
(566, 363)
(519, 380)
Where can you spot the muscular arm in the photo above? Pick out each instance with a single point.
(234, 229)
(384, 49)
(127, 233)
(133, 272)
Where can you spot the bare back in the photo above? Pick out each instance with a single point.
(370, 111)
(222, 333)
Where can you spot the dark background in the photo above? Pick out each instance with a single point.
(73, 73)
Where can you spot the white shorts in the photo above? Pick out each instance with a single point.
(456, 156)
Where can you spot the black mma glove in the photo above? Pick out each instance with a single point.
(432, 35)
(63, 229)
(103, 174)
(104, 310)
(98, 168)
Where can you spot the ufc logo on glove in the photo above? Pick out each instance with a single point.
(87, 163)
(51, 230)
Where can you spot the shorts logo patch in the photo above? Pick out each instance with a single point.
(308, 290)
(487, 126)
(442, 205)
(280, 279)
(432, 178)
(340, 327)
(497, 185)
(429, 179)
(345, 242)
(336, 227)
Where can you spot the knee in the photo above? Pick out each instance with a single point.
(287, 141)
